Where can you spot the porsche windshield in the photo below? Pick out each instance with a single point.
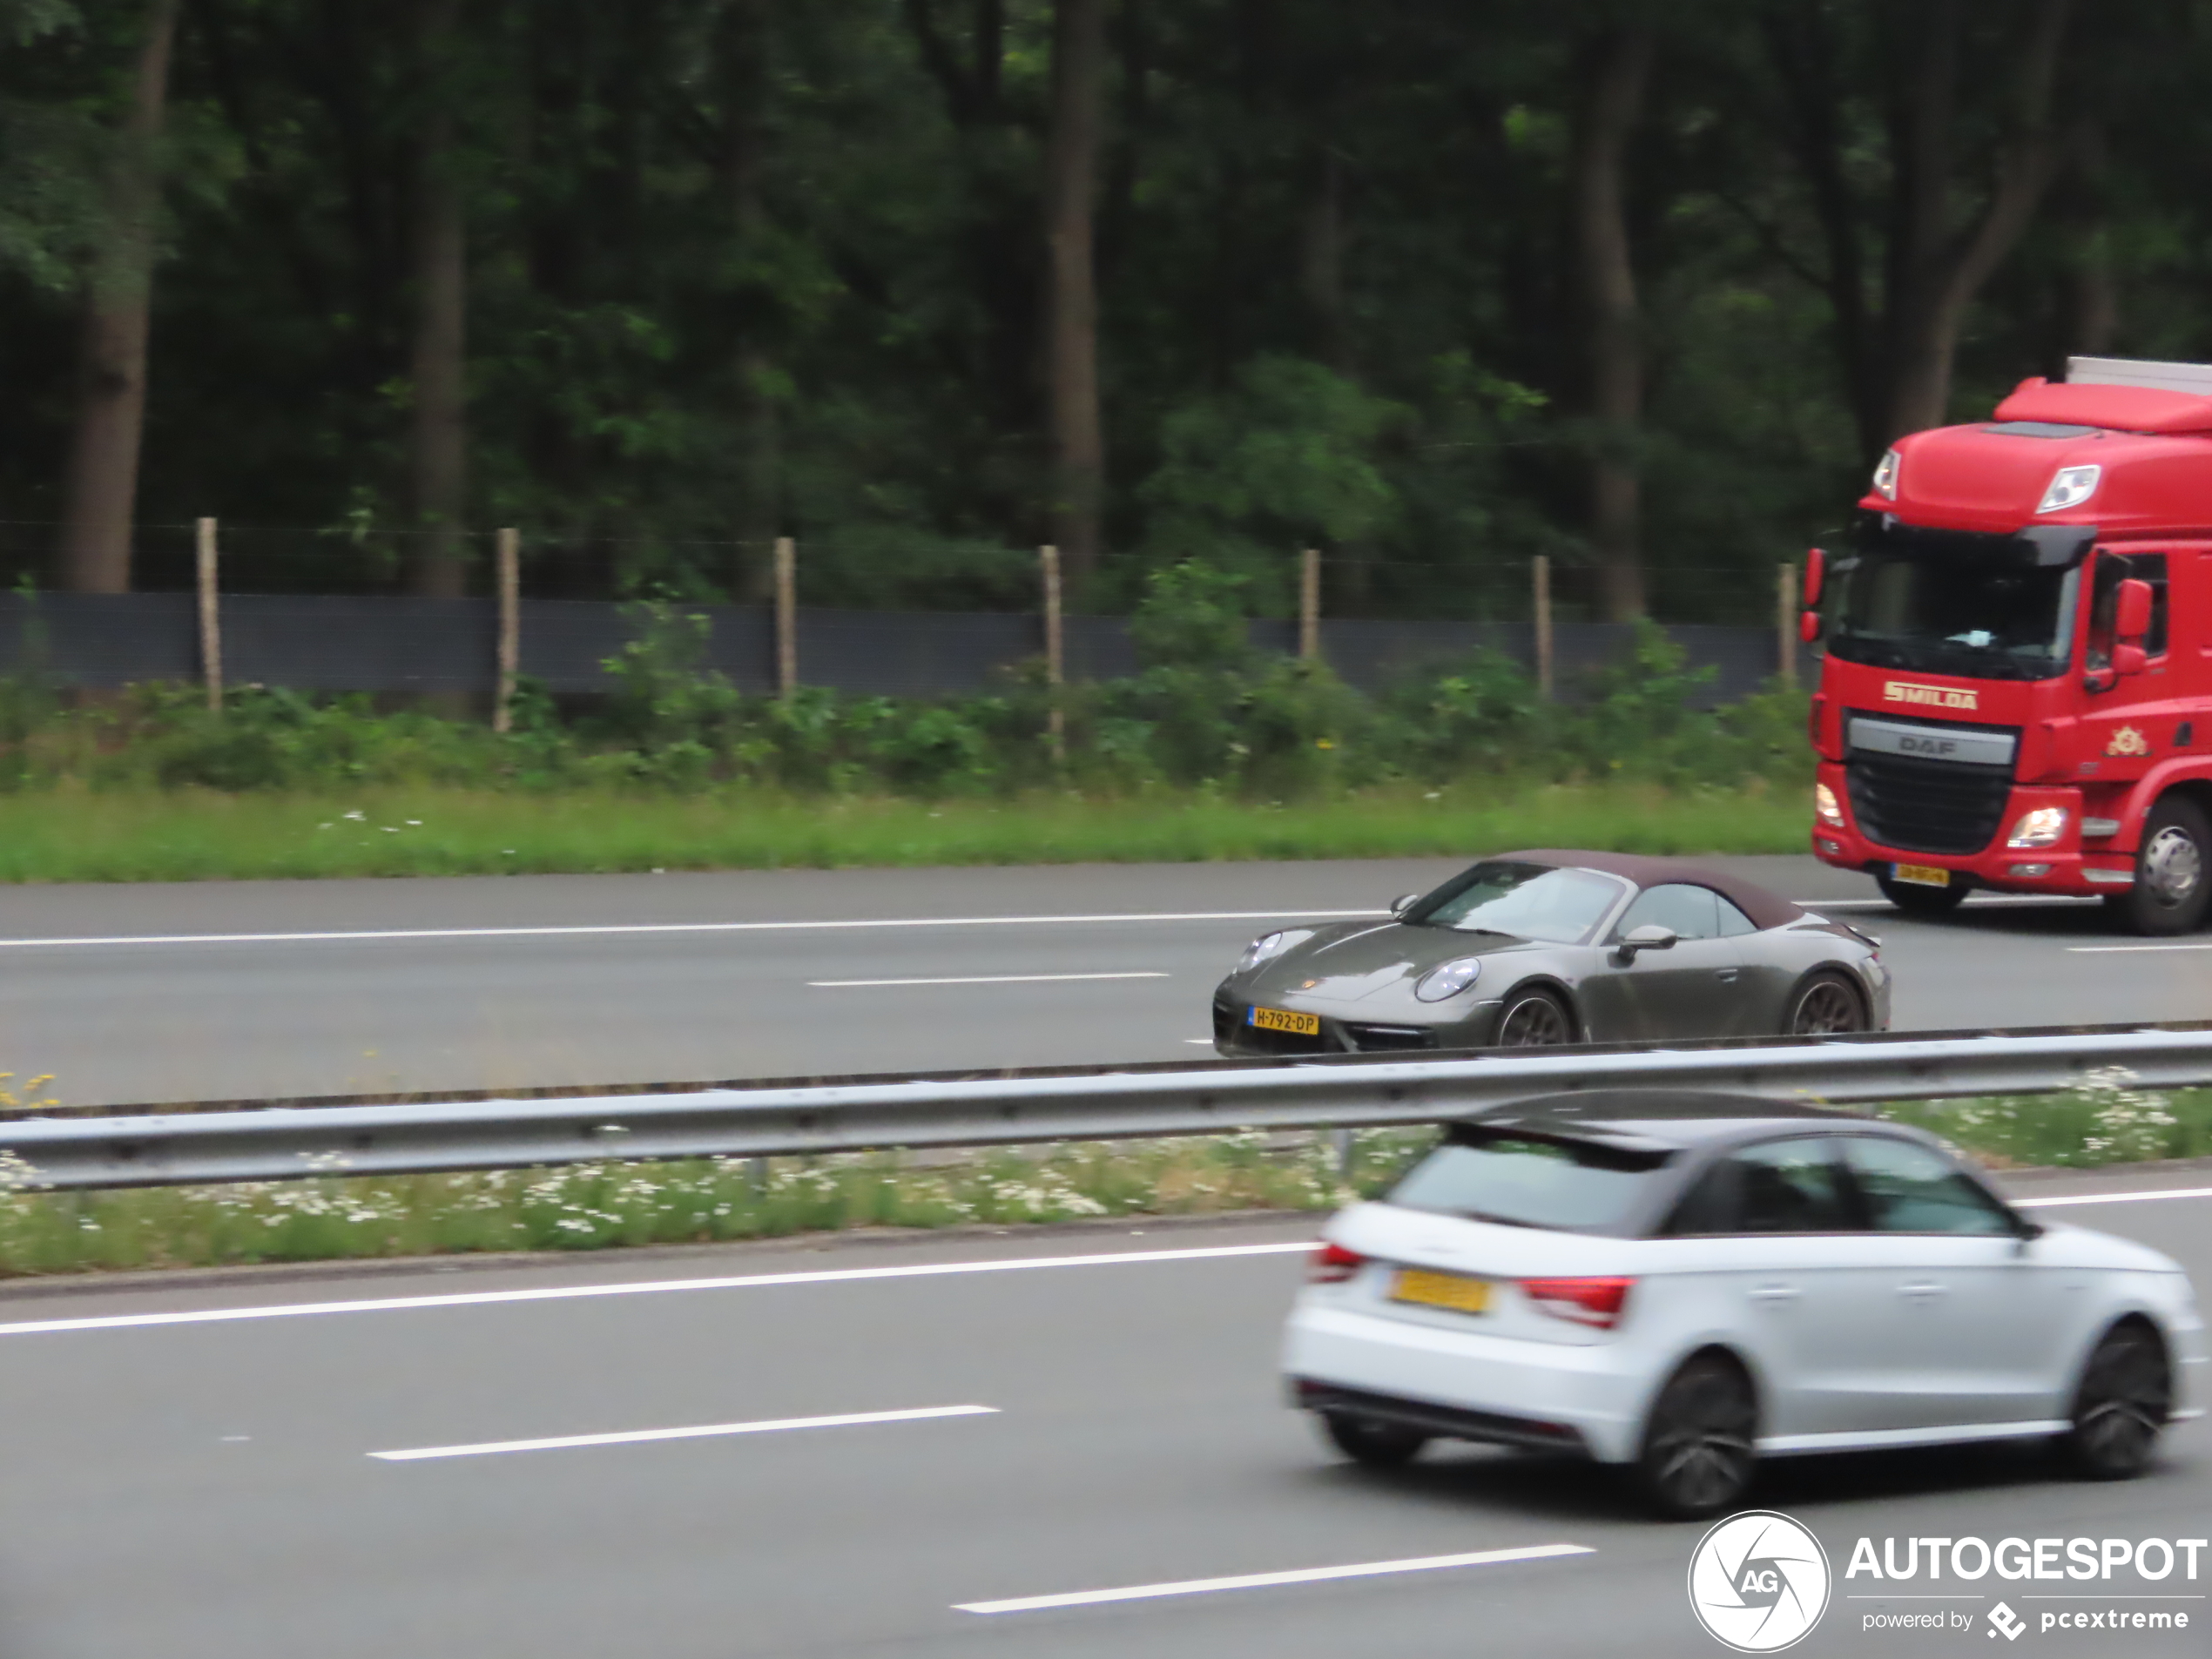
(1988, 618)
(1522, 901)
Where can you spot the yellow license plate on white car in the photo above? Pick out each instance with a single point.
(1923, 875)
(1304, 1025)
(1453, 1291)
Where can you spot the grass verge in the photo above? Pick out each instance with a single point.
(598, 1206)
(187, 835)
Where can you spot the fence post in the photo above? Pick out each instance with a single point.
(1785, 624)
(787, 617)
(1309, 605)
(1056, 661)
(1541, 571)
(510, 628)
(211, 618)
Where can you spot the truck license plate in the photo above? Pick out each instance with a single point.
(1925, 875)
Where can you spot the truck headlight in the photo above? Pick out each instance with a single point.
(1449, 980)
(2070, 487)
(1826, 807)
(2042, 826)
(1886, 475)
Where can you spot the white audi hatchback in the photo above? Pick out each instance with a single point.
(1685, 1283)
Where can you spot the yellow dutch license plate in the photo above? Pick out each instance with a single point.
(1453, 1291)
(1304, 1025)
(1925, 875)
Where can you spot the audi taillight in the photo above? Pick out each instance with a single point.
(1332, 1264)
(1600, 1302)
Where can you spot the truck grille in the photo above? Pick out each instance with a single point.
(1927, 805)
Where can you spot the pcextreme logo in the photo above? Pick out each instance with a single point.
(1934, 697)
(1758, 1582)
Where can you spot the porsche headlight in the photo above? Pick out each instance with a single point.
(1449, 980)
(1267, 949)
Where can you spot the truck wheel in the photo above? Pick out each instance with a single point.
(2172, 870)
(1917, 901)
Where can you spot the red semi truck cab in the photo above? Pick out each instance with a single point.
(2016, 689)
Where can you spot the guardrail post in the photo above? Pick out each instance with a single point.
(1055, 665)
(211, 617)
(787, 617)
(1541, 574)
(510, 629)
(1785, 624)
(1309, 605)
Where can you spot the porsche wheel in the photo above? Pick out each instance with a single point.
(1534, 1020)
(1825, 1006)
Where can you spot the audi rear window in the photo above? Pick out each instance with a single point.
(1525, 1180)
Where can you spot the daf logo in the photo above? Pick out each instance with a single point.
(1935, 748)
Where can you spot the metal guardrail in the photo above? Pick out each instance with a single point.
(279, 1144)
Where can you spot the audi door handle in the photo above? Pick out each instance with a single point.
(1775, 1294)
(1924, 1291)
(1728, 975)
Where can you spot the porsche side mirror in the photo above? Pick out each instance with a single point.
(1650, 936)
(1404, 902)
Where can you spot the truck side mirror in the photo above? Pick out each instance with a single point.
(2127, 659)
(1809, 626)
(2131, 614)
(1815, 576)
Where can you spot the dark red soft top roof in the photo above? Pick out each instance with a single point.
(1764, 909)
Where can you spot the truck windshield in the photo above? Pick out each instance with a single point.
(1983, 618)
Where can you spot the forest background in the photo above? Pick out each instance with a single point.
(1435, 286)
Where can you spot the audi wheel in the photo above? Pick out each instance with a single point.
(1699, 1453)
(2126, 1395)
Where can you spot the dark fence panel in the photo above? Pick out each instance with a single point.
(398, 643)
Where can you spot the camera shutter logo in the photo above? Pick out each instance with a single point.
(1758, 1582)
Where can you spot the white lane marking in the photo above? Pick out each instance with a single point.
(990, 979)
(1264, 1581)
(649, 1287)
(1978, 902)
(2114, 1198)
(706, 1431)
(679, 928)
(2113, 950)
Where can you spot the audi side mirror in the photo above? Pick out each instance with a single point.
(1402, 903)
(1650, 936)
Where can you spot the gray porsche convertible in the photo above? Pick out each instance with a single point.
(1528, 949)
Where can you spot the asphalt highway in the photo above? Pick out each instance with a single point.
(200, 1470)
(279, 990)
